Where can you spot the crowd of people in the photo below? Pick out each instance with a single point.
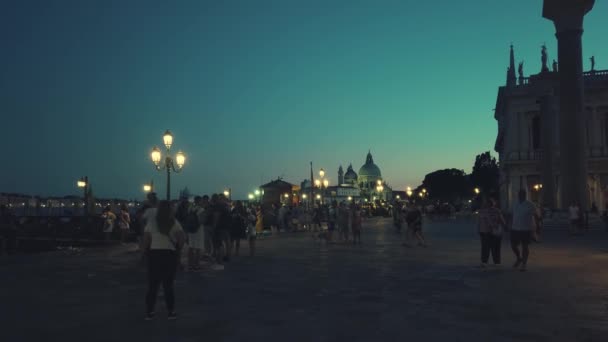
(210, 228)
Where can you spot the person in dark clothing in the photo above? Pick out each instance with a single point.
(221, 228)
(8, 230)
(238, 227)
(163, 241)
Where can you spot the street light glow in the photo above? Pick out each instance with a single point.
(155, 155)
(250, 196)
(326, 183)
(477, 191)
(168, 139)
(81, 183)
(180, 159)
(147, 187)
(304, 196)
(257, 192)
(317, 183)
(226, 193)
(322, 173)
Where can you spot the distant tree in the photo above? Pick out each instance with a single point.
(485, 175)
(445, 185)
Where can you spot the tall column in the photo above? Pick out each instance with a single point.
(547, 109)
(567, 15)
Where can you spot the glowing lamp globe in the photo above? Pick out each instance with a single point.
(322, 173)
(168, 139)
(81, 183)
(155, 155)
(180, 159)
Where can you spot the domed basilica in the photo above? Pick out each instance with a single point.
(363, 185)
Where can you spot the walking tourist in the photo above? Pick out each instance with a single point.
(146, 213)
(124, 223)
(316, 219)
(397, 220)
(207, 221)
(238, 227)
(356, 223)
(414, 226)
(221, 228)
(491, 225)
(108, 222)
(259, 223)
(525, 220)
(332, 217)
(251, 229)
(196, 237)
(343, 221)
(163, 241)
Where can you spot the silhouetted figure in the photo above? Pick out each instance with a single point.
(163, 241)
(592, 63)
(554, 66)
(543, 58)
(520, 71)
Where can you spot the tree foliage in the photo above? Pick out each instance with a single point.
(446, 185)
(485, 175)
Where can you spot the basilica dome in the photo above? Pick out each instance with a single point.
(369, 169)
(350, 176)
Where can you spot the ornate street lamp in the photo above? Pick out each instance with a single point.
(170, 164)
(149, 187)
(228, 194)
(83, 183)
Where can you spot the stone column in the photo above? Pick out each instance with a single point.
(548, 115)
(567, 15)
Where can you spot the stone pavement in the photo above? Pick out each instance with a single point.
(296, 289)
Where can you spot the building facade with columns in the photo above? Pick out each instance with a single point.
(532, 136)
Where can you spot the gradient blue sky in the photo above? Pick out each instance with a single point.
(255, 89)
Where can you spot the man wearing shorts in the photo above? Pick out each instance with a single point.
(525, 221)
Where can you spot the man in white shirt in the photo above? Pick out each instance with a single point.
(525, 221)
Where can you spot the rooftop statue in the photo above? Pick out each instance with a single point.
(520, 70)
(543, 58)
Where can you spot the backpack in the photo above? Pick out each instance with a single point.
(192, 225)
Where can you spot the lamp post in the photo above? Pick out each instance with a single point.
(379, 189)
(322, 184)
(83, 183)
(228, 194)
(169, 163)
(149, 187)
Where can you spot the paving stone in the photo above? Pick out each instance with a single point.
(297, 289)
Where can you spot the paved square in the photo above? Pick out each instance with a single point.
(296, 289)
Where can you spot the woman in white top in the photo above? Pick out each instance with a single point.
(163, 241)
